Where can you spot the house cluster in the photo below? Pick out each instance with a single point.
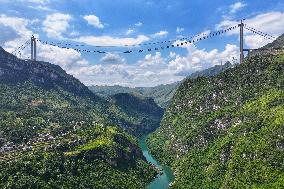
(46, 139)
(12, 147)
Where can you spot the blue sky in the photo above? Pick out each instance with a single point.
(120, 22)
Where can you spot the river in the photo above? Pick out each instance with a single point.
(163, 180)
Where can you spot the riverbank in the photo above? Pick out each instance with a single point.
(162, 180)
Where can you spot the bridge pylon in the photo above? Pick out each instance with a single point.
(241, 25)
(33, 48)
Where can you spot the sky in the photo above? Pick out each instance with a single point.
(90, 24)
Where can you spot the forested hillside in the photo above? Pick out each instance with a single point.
(279, 43)
(138, 115)
(162, 94)
(227, 131)
(55, 133)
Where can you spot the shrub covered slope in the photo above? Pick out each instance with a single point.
(227, 131)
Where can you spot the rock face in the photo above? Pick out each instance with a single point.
(43, 74)
(227, 131)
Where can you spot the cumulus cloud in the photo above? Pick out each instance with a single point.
(68, 59)
(270, 22)
(56, 24)
(112, 58)
(17, 24)
(152, 60)
(109, 40)
(101, 74)
(152, 69)
(20, 27)
(255, 41)
(94, 21)
(236, 7)
(198, 59)
(111, 68)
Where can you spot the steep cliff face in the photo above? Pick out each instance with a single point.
(227, 131)
(14, 71)
(138, 115)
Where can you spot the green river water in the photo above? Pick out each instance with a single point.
(163, 180)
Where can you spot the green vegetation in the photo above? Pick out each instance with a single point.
(227, 131)
(279, 43)
(61, 140)
(58, 134)
(162, 94)
(137, 115)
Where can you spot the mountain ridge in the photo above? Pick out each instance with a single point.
(162, 94)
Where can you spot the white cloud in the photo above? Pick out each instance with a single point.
(68, 59)
(94, 21)
(161, 33)
(74, 33)
(109, 40)
(41, 8)
(35, 21)
(179, 30)
(237, 6)
(112, 58)
(112, 68)
(270, 23)
(138, 24)
(36, 1)
(56, 24)
(82, 62)
(39, 5)
(129, 31)
(150, 60)
(198, 59)
(173, 54)
(87, 71)
(153, 69)
(20, 27)
(255, 41)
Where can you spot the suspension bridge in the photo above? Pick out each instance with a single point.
(151, 46)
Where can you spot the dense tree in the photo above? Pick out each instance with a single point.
(227, 131)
